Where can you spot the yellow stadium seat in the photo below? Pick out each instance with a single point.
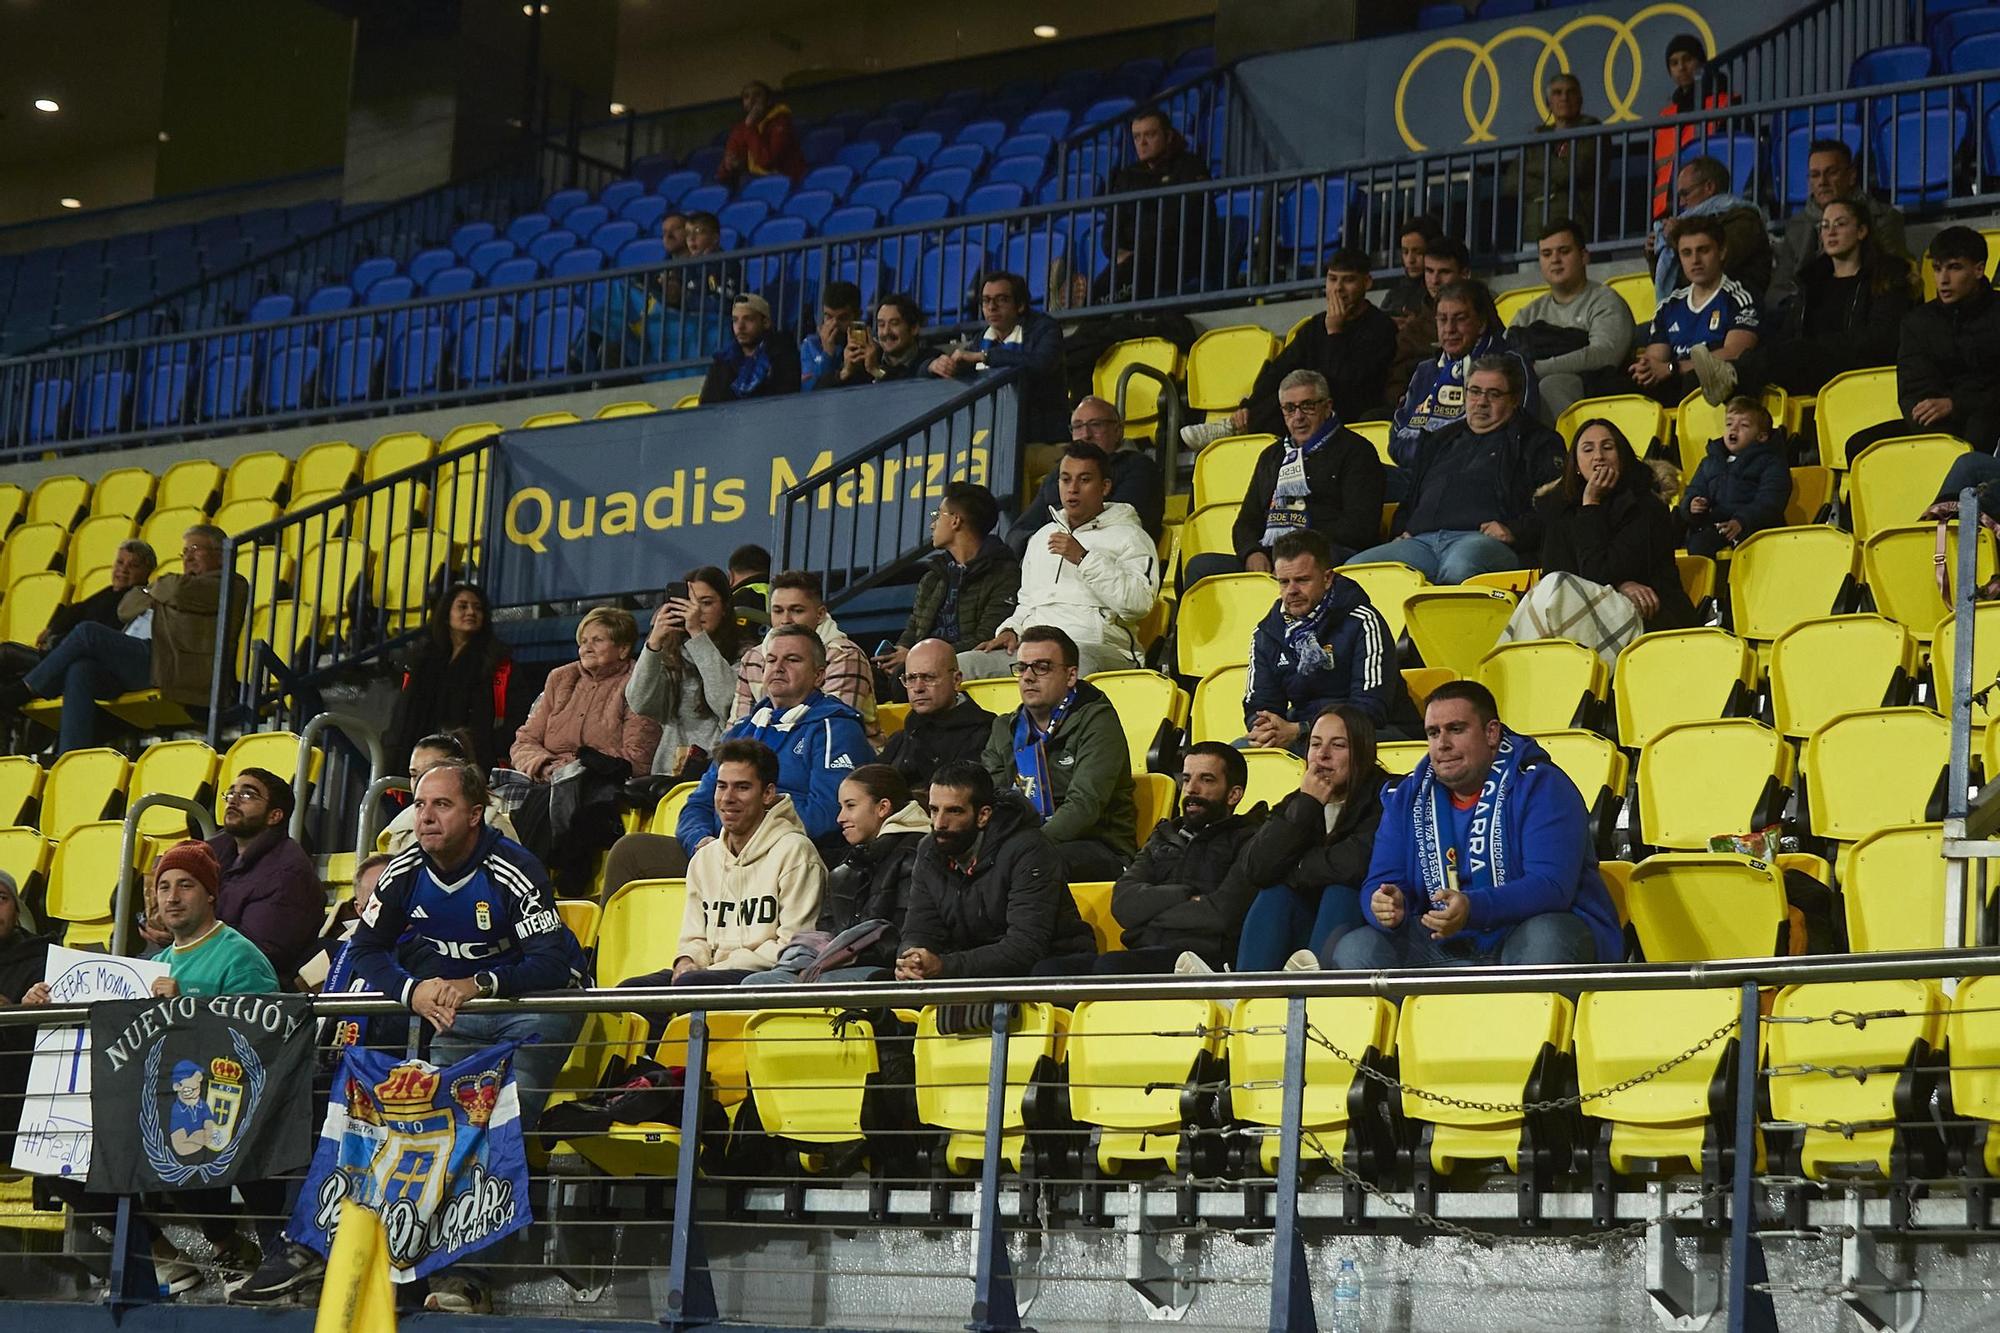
(1823, 667)
(1873, 767)
(276, 751)
(410, 571)
(1898, 565)
(1516, 299)
(83, 880)
(1389, 586)
(640, 929)
(1498, 1049)
(1700, 779)
(82, 786)
(192, 483)
(1617, 877)
(1208, 532)
(998, 695)
(581, 916)
(1852, 401)
(176, 768)
(123, 491)
(1147, 704)
(1850, 1121)
(1518, 582)
(283, 628)
(264, 568)
(330, 575)
(331, 466)
(1217, 617)
(460, 436)
(809, 1073)
(1545, 684)
(668, 812)
(1642, 420)
(1781, 576)
(32, 548)
(1141, 405)
(61, 500)
(88, 583)
(1223, 365)
(652, 1148)
(1813, 490)
(1637, 289)
(686, 401)
(20, 790)
(1662, 1123)
(1697, 575)
(1697, 421)
(557, 418)
(1694, 906)
(1152, 800)
(1376, 433)
(1093, 904)
(1222, 470)
(258, 476)
(1218, 705)
(95, 541)
(1341, 1109)
(1598, 768)
(1274, 775)
(1132, 1063)
(31, 600)
(1974, 1029)
(1400, 757)
(460, 508)
(1681, 675)
(1420, 682)
(403, 449)
(952, 1081)
(1455, 628)
(237, 517)
(1893, 889)
(1985, 660)
(165, 526)
(605, 1043)
(631, 409)
(381, 516)
(1892, 482)
(24, 854)
(13, 504)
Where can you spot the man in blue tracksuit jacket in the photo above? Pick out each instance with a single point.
(1322, 644)
(1484, 855)
(819, 742)
(1467, 330)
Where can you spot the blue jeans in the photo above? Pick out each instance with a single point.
(1552, 939)
(1282, 920)
(535, 1064)
(92, 662)
(1444, 557)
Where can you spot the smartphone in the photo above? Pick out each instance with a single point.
(857, 337)
(677, 592)
(885, 647)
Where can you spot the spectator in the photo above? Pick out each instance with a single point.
(750, 889)
(1469, 331)
(823, 353)
(1322, 645)
(754, 364)
(750, 587)
(330, 961)
(1703, 329)
(1742, 484)
(1324, 478)
(817, 739)
(400, 833)
(205, 956)
(763, 143)
(1831, 175)
(130, 568)
(943, 723)
(1697, 86)
(1560, 180)
(1015, 338)
(267, 887)
(1849, 308)
(1491, 843)
(796, 601)
(1949, 353)
(1312, 853)
(893, 353)
(1149, 256)
(168, 643)
(1136, 479)
(1607, 543)
(1473, 487)
(1580, 333)
(582, 706)
(1407, 295)
(1351, 347)
(704, 235)
(456, 679)
(23, 961)
(674, 233)
(1064, 750)
(972, 582)
(883, 828)
(685, 676)
(1446, 261)
(988, 895)
(1703, 190)
(1095, 577)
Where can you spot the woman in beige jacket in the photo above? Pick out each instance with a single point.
(583, 703)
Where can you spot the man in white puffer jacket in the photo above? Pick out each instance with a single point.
(1092, 573)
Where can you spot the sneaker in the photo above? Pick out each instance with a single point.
(1305, 960)
(292, 1267)
(450, 1294)
(1204, 433)
(171, 1267)
(1717, 377)
(1190, 964)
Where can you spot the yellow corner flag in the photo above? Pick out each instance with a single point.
(355, 1295)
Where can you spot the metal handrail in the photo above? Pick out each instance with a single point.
(1171, 416)
(367, 829)
(349, 725)
(128, 855)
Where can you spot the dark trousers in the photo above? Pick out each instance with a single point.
(1129, 963)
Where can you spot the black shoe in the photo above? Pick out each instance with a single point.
(292, 1267)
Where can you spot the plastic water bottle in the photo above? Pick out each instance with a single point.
(1347, 1298)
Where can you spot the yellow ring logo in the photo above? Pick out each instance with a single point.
(1621, 98)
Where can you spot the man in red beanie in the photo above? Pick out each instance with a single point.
(206, 957)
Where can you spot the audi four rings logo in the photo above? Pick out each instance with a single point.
(1621, 85)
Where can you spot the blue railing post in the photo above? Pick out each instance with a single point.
(1750, 1311)
(133, 1280)
(995, 1308)
(1291, 1284)
(690, 1287)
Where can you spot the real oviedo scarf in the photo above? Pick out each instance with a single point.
(1031, 755)
(1287, 511)
(1483, 862)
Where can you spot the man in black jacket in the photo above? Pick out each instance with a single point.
(130, 568)
(1187, 892)
(1948, 368)
(973, 581)
(987, 893)
(943, 725)
(1015, 338)
(1148, 258)
(754, 364)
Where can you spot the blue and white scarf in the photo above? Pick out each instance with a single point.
(1303, 635)
(752, 369)
(1287, 512)
(1485, 860)
(946, 626)
(1031, 755)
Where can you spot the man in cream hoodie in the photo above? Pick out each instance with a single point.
(750, 890)
(1092, 573)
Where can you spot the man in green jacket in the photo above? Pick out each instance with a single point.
(1064, 749)
(972, 582)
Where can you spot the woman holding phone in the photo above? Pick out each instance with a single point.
(685, 678)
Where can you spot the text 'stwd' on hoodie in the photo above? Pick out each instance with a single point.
(744, 907)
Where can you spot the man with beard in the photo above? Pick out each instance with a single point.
(1187, 892)
(893, 353)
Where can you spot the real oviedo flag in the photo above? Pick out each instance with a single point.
(436, 1152)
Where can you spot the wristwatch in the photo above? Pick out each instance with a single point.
(486, 985)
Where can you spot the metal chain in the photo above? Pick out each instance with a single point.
(1522, 1108)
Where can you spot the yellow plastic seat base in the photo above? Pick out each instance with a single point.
(1119, 1149)
(964, 1154)
(18, 1211)
(1827, 1155)
(147, 710)
(1453, 1146)
(645, 1149)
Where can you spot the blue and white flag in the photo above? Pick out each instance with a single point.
(437, 1152)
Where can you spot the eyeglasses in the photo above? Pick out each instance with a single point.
(921, 678)
(235, 794)
(1487, 395)
(1035, 669)
(1300, 409)
(1005, 298)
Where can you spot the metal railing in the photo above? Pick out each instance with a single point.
(1209, 109)
(1813, 51)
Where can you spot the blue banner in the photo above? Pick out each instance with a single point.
(437, 1152)
(632, 503)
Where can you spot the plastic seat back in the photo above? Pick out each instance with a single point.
(82, 786)
(20, 789)
(1898, 566)
(258, 476)
(952, 1068)
(1223, 365)
(275, 751)
(1141, 405)
(641, 922)
(123, 491)
(809, 1073)
(1643, 421)
(1974, 1038)
(1893, 890)
(1663, 1120)
(1217, 713)
(1985, 659)
(1701, 778)
(1145, 701)
(1810, 1062)
(1874, 767)
(1781, 576)
(83, 880)
(61, 500)
(1217, 618)
(1820, 668)
(31, 600)
(1543, 684)
(192, 484)
(1130, 1061)
(1389, 587)
(32, 548)
(1893, 481)
(1223, 469)
(1853, 401)
(1455, 628)
(1362, 1026)
(1274, 775)
(1484, 1048)
(1681, 676)
(331, 466)
(1693, 906)
(176, 768)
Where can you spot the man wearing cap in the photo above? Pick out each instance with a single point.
(269, 891)
(206, 956)
(753, 364)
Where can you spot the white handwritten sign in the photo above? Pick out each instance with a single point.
(55, 1117)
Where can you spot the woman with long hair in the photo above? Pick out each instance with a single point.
(456, 679)
(685, 675)
(1848, 312)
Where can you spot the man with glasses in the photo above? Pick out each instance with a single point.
(1472, 489)
(972, 582)
(1015, 338)
(269, 891)
(1064, 751)
(1323, 478)
(1468, 328)
(943, 725)
(168, 643)
(1136, 478)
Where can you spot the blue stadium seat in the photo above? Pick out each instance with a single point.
(162, 397)
(48, 400)
(673, 186)
(577, 263)
(1031, 256)
(485, 349)
(270, 308)
(898, 167)
(350, 371)
(451, 281)
(880, 195)
(857, 155)
(1948, 30)
(810, 205)
(1107, 109)
(944, 280)
(330, 299)
(1026, 172)
(820, 143)
(704, 161)
(951, 182)
(1025, 143)
(425, 263)
(1740, 153)
(835, 178)
(770, 190)
(416, 359)
(705, 199)
(1914, 153)
(469, 234)
(851, 218)
(647, 251)
(555, 340)
(225, 386)
(881, 131)
(864, 273)
(1440, 16)
(1890, 64)
(613, 235)
(371, 271)
(995, 197)
(100, 405)
(1051, 123)
(513, 271)
(1798, 148)
(970, 156)
(913, 209)
(585, 218)
(618, 194)
(919, 144)
(544, 248)
(293, 375)
(779, 231)
(1978, 51)
(559, 204)
(486, 254)
(743, 216)
(646, 212)
(525, 228)
(986, 133)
